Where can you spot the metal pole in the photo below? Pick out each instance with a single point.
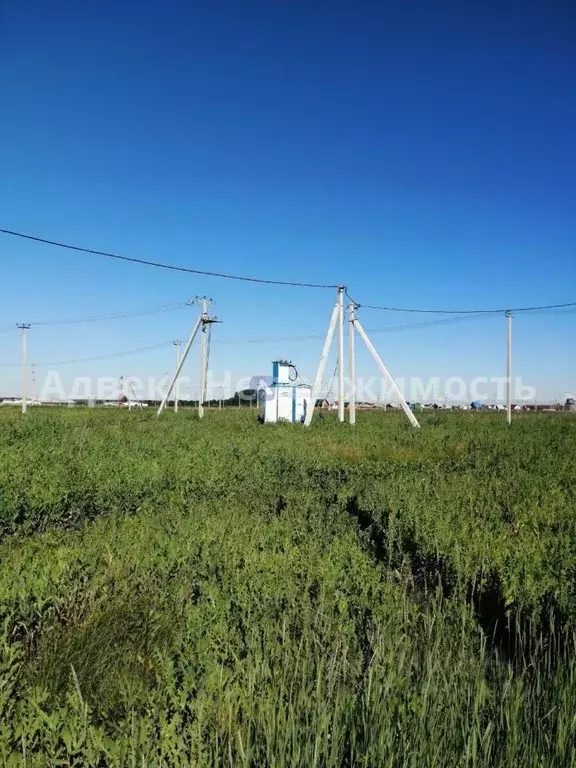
(180, 365)
(509, 367)
(341, 290)
(322, 364)
(177, 385)
(386, 374)
(203, 359)
(351, 363)
(23, 328)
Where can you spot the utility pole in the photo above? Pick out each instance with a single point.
(341, 290)
(509, 366)
(177, 385)
(351, 363)
(201, 323)
(203, 354)
(355, 325)
(33, 382)
(23, 328)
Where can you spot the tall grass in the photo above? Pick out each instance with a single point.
(185, 593)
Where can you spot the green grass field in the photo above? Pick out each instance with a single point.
(178, 592)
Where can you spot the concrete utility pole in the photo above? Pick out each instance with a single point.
(341, 290)
(509, 367)
(33, 382)
(23, 328)
(203, 355)
(355, 325)
(201, 323)
(177, 385)
(351, 363)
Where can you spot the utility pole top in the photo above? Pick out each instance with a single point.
(196, 300)
(23, 326)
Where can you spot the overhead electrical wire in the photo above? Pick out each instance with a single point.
(114, 315)
(96, 357)
(309, 337)
(386, 329)
(162, 265)
(460, 311)
(96, 318)
(313, 336)
(267, 281)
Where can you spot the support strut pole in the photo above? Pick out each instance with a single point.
(405, 407)
(322, 364)
(180, 365)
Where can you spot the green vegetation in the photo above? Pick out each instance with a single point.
(212, 593)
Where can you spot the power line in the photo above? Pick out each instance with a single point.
(460, 318)
(114, 315)
(313, 336)
(386, 329)
(97, 318)
(461, 311)
(162, 265)
(265, 281)
(432, 323)
(97, 357)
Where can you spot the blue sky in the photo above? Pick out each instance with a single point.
(420, 152)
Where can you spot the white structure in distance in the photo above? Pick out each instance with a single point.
(284, 399)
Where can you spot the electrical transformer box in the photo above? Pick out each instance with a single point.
(284, 399)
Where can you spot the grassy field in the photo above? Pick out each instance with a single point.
(178, 592)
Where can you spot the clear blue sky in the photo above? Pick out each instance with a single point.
(420, 152)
